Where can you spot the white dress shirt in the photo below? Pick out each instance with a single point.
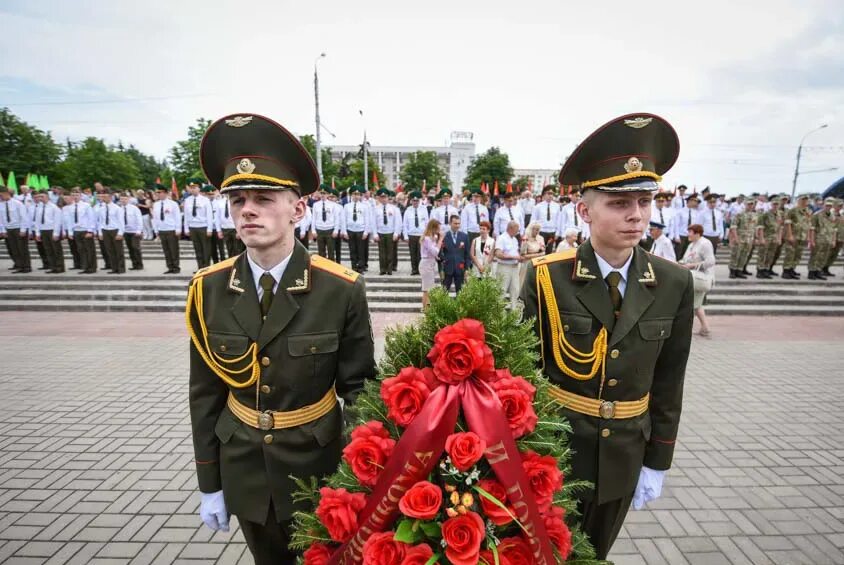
(662, 247)
(665, 216)
(172, 220)
(133, 221)
(606, 269)
(204, 217)
(277, 272)
(110, 217)
(471, 216)
(393, 222)
(546, 214)
(505, 215)
(326, 216)
(508, 246)
(52, 219)
(415, 221)
(79, 217)
(222, 214)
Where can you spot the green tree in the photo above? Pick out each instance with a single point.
(521, 183)
(149, 168)
(329, 167)
(25, 148)
(490, 166)
(93, 161)
(184, 156)
(422, 166)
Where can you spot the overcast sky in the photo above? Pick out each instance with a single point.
(741, 81)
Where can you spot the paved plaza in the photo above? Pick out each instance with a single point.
(96, 462)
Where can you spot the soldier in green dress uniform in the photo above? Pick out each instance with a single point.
(769, 234)
(276, 337)
(742, 238)
(822, 236)
(615, 324)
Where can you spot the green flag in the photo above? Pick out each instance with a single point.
(12, 184)
(44, 182)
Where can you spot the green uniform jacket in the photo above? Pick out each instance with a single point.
(317, 335)
(800, 220)
(823, 224)
(647, 350)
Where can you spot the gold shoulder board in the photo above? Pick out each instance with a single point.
(221, 266)
(333, 268)
(564, 255)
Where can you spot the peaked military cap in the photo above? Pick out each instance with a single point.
(196, 181)
(693, 196)
(208, 188)
(656, 225)
(160, 187)
(475, 190)
(414, 194)
(830, 201)
(356, 188)
(445, 192)
(627, 154)
(251, 151)
(549, 188)
(383, 192)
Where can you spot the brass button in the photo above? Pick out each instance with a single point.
(268, 439)
(615, 353)
(612, 382)
(661, 332)
(313, 349)
(265, 361)
(265, 389)
(604, 433)
(222, 347)
(566, 328)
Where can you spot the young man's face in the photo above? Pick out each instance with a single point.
(616, 220)
(124, 200)
(454, 223)
(382, 199)
(265, 218)
(548, 196)
(356, 197)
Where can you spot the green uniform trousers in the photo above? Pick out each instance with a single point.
(793, 253)
(739, 255)
(170, 245)
(114, 251)
(201, 246)
(87, 251)
(819, 255)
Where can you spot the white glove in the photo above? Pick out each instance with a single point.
(212, 510)
(649, 487)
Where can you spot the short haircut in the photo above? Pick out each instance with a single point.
(453, 217)
(485, 224)
(696, 228)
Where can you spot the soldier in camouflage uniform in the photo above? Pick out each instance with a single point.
(796, 233)
(838, 214)
(822, 235)
(769, 233)
(742, 234)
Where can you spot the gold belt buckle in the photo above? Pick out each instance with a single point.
(265, 420)
(607, 410)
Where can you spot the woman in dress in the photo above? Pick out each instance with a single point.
(533, 246)
(482, 250)
(432, 242)
(700, 259)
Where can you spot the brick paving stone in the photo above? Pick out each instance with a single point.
(111, 479)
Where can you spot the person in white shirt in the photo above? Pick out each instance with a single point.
(712, 220)
(662, 246)
(110, 229)
(413, 226)
(473, 214)
(569, 240)
(67, 229)
(679, 200)
(47, 226)
(357, 224)
(334, 198)
(80, 223)
(684, 218)
(664, 214)
(482, 251)
(199, 221)
(14, 228)
(302, 230)
(570, 218)
(507, 213)
(546, 213)
(527, 203)
(327, 223)
(388, 222)
(167, 224)
(507, 258)
(133, 231)
(224, 223)
(218, 246)
(444, 209)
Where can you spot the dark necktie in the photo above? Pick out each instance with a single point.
(547, 212)
(713, 220)
(267, 283)
(355, 212)
(385, 214)
(510, 211)
(447, 214)
(43, 212)
(683, 202)
(8, 212)
(574, 213)
(227, 207)
(107, 214)
(416, 216)
(689, 218)
(613, 279)
(125, 216)
(75, 213)
(162, 210)
(194, 206)
(478, 215)
(324, 213)
(661, 218)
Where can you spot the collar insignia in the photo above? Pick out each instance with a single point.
(239, 121)
(234, 282)
(638, 123)
(582, 272)
(648, 277)
(301, 284)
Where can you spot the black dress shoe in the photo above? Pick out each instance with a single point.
(136, 268)
(88, 272)
(383, 273)
(826, 273)
(168, 272)
(773, 273)
(25, 271)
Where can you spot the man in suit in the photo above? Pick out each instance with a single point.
(276, 337)
(615, 325)
(455, 255)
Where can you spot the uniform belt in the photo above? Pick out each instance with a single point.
(597, 408)
(271, 420)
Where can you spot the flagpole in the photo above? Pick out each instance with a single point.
(365, 158)
(316, 106)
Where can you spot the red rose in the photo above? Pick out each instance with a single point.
(516, 550)
(382, 549)
(422, 501)
(544, 476)
(460, 351)
(557, 530)
(317, 554)
(338, 511)
(499, 374)
(368, 452)
(465, 449)
(404, 395)
(487, 558)
(516, 396)
(463, 535)
(417, 555)
(494, 512)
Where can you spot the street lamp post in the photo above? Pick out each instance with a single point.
(799, 152)
(316, 106)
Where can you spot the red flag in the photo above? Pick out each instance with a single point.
(495, 188)
(332, 182)
(484, 188)
(424, 183)
(174, 188)
(438, 185)
(399, 187)
(157, 180)
(509, 187)
(375, 180)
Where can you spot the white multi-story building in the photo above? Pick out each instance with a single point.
(540, 177)
(454, 159)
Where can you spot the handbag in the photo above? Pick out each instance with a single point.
(702, 281)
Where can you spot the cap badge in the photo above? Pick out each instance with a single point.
(633, 165)
(245, 167)
(239, 121)
(638, 123)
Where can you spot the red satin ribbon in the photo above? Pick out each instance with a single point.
(419, 450)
